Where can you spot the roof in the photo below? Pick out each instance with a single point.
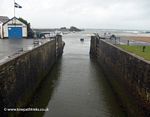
(12, 19)
(4, 19)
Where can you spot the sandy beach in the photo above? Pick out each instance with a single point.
(138, 38)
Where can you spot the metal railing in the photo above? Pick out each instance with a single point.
(116, 40)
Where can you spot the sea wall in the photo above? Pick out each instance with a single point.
(22, 73)
(130, 75)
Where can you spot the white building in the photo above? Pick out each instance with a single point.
(13, 29)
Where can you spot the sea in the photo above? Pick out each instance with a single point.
(120, 32)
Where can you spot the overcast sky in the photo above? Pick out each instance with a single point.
(110, 14)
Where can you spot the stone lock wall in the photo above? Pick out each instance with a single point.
(22, 74)
(131, 70)
(59, 45)
(93, 48)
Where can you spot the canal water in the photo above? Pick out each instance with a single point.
(76, 86)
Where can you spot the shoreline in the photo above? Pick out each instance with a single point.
(137, 38)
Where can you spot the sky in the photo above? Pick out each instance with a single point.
(99, 14)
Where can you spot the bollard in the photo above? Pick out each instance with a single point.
(144, 47)
(128, 42)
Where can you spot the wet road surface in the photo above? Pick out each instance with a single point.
(9, 47)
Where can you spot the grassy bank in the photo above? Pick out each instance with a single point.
(138, 50)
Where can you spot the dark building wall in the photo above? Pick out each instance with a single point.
(131, 72)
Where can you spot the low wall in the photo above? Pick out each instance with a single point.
(131, 72)
(21, 75)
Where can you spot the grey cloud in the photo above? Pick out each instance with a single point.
(82, 13)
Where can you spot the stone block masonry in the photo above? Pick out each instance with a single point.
(22, 74)
(131, 72)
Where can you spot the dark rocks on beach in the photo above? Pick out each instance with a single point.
(63, 29)
(72, 28)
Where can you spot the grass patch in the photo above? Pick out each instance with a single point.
(138, 50)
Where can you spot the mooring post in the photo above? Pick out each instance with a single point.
(128, 42)
(144, 47)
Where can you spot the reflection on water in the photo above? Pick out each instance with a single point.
(45, 91)
(76, 86)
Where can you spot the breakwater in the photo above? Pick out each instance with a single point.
(22, 73)
(130, 76)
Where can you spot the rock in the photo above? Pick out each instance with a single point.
(72, 28)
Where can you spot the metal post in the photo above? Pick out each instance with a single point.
(14, 13)
(128, 42)
(14, 8)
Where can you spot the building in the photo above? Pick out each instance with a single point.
(13, 29)
(3, 19)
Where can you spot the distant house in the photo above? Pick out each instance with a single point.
(3, 19)
(13, 29)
